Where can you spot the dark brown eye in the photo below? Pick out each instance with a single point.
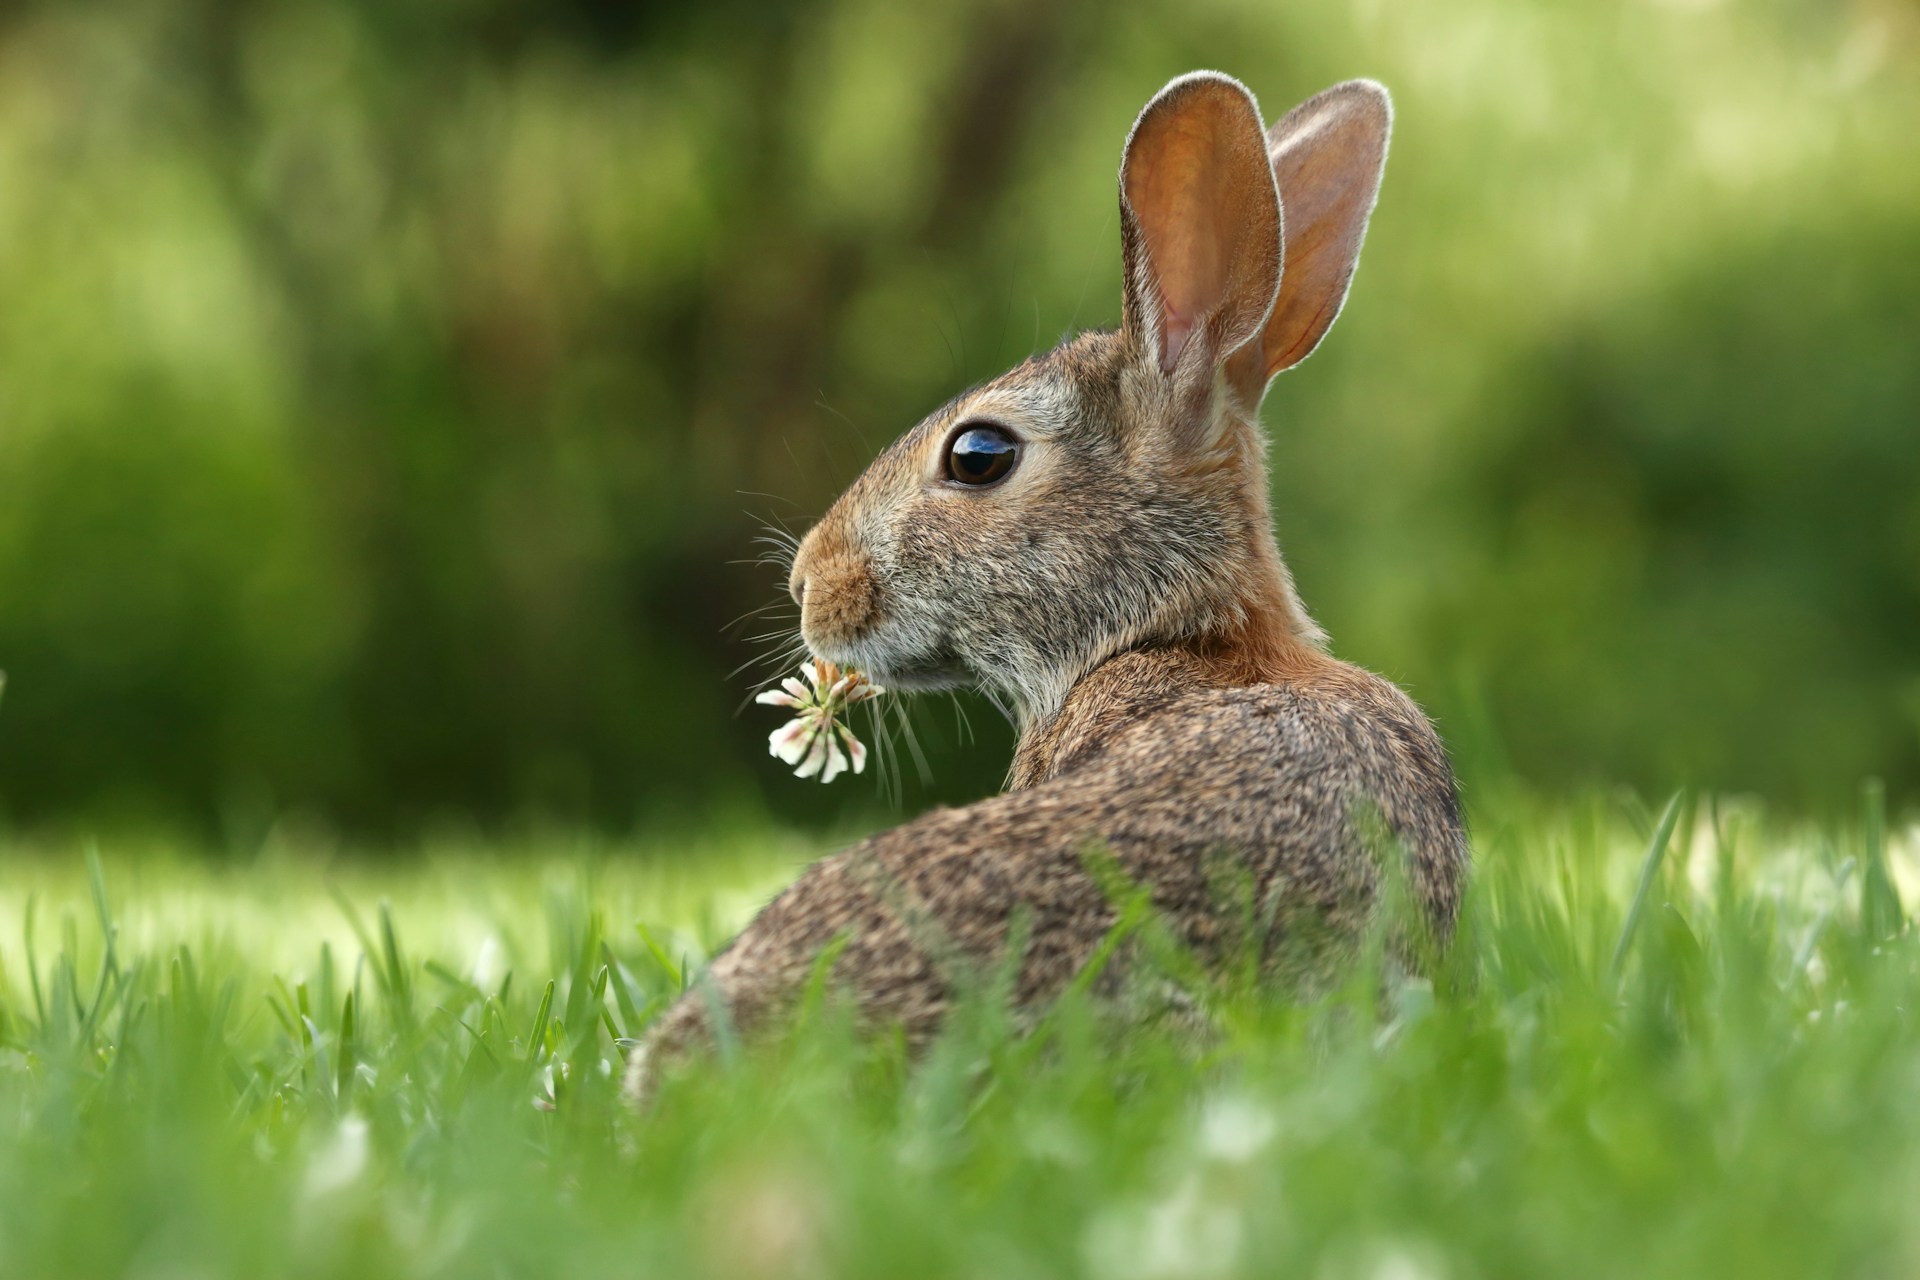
(981, 455)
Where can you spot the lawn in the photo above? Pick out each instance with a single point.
(311, 1064)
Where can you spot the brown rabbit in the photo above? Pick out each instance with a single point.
(1088, 537)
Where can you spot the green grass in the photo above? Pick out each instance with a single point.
(1690, 1064)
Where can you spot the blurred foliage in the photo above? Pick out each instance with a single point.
(388, 392)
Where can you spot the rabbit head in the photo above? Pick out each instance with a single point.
(1112, 493)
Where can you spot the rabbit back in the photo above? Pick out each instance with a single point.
(1292, 794)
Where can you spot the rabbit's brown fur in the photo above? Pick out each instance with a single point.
(1122, 588)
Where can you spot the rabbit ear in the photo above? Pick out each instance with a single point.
(1199, 225)
(1328, 154)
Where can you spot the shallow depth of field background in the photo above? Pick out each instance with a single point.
(389, 392)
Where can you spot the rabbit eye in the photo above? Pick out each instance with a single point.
(981, 455)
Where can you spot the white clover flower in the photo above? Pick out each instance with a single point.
(815, 741)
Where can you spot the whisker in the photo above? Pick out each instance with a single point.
(858, 434)
(777, 660)
(781, 647)
(886, 767)
(777, 538)
(762, 685)
(961, 719)
(999, 704)
(775, 523)
(755, 613)
(779, 651)
(913, 745)
(771, 497)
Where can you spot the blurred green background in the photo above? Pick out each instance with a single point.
(389, 392)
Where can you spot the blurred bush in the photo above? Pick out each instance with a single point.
(389, 392)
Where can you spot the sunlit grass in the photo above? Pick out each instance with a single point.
(1675, 1047)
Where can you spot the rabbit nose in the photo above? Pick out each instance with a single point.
(805, 558)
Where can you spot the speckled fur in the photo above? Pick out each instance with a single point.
(1123, 591)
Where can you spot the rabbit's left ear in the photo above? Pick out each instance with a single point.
(1328, 155)
(1199, 227)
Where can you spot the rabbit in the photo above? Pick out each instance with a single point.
(1088, 537)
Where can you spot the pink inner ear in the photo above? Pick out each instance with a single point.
(1175, 330)
(1177, 193)
(1185, 247)
(1327, 157)
(1197, 181)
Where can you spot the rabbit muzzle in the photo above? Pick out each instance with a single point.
(833, 582)
(844, 616)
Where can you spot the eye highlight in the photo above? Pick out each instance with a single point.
(981, 454)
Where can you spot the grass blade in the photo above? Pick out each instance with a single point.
(33, 965)
(1880, 910)
(1649, 871)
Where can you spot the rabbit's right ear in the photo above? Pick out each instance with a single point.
(1199, 227)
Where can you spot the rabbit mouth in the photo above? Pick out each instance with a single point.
(923, 677)
(896, 667)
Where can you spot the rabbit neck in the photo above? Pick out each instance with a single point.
(1268, 641)
(1255, 631)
